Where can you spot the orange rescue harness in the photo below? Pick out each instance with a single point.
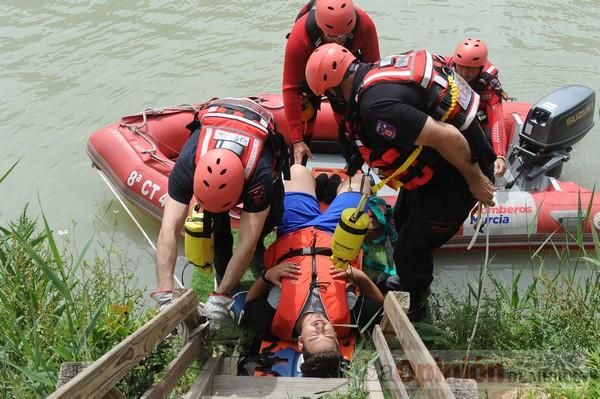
(310, 248)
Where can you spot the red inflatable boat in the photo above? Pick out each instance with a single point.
(138, 152)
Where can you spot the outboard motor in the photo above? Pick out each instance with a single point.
(554, 124)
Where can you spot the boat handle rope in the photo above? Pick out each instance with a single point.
(137, 128)
(133, 218)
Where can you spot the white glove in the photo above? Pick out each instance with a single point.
(163, 298)
(217, 309)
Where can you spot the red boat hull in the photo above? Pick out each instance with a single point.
(138, 161)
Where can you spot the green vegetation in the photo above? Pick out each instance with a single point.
(545, 332)
(55, 307)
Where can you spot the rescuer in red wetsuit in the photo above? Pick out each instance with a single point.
(328, 21)
(471, 61)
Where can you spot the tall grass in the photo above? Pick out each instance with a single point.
(547, 327)
(56, 307)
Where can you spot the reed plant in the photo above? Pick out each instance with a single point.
(545, 330)
(55, 307)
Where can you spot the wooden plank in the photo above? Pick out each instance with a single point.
(428, 374)
(386, 327)
(97, 379)
(204, 384)
(277, 387)
(68, 370)
(190, 352)
(114, 393)
(372, 385)
(193, 319)
(390, 371)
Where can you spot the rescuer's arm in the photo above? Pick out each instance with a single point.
(166, 249)
(297, 51)
(366, 39)
(454, 148)
(251, 225)
(495, 117)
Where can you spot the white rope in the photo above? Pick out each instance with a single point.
(483, 272)
(479, 206)
(135, 221)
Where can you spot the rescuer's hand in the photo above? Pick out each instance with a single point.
(300, 150)
(481, 188)
(499, 166)
(217, 310)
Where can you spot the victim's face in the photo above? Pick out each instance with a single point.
(317, 334)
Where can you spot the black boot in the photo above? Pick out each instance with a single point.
(331, 190)
(387, 283)
(321, 185)
(419, 306)
(419, 299)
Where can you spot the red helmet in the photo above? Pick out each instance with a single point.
(335, 17)
(327, 66)
(218, 180)
(471, 53)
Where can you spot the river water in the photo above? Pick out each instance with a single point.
(69, 67)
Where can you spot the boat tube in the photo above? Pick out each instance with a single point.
(533, 205)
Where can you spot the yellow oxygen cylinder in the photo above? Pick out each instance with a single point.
(199, 241)
(349, 235)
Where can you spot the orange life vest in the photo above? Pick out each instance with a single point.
(310, 248)
(237, 124)
(450, 99)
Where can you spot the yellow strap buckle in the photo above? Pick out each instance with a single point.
(411, 158)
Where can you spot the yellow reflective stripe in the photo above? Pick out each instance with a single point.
(411, 158)
(453, 98)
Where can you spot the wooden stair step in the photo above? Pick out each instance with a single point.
(275, 387)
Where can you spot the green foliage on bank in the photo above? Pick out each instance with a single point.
(544, 331)
(57, 307)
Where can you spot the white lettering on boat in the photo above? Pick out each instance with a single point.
(514, 213)
(134, 177)
(149, 189)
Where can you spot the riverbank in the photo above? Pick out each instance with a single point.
(61, 303)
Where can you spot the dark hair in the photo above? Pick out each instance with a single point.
(321, 364)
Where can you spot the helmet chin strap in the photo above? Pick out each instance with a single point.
(337, 91)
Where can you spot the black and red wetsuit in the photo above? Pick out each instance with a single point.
(387, 114)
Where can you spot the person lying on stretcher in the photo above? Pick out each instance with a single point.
(301, 295)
